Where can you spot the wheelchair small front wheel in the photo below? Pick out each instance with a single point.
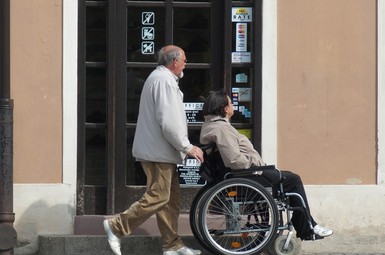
(293, 248)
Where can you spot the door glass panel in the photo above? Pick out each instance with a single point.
(135, 81)
(96, 170)
(96, 96)
(145, 33)
(96, 34)
(193, 135)
(195, 84)
(192, 33)
(135, 174)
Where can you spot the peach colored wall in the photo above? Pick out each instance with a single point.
(327, 90)
(36, 87)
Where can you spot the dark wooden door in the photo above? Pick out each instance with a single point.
(117, 45)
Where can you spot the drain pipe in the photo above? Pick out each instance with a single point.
(8, 235)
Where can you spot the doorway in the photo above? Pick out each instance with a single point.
(118, 41)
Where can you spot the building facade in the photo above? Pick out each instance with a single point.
(307, 78)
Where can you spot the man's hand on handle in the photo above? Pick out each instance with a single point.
(196, 153)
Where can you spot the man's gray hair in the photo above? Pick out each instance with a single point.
(167, 55)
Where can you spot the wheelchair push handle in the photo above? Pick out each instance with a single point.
(207, 147)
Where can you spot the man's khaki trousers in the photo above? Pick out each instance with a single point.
(161, 198)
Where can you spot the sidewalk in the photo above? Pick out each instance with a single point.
(90, 239)
(345, 243)
(151, 245)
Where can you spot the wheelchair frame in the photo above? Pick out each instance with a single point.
(237, 215)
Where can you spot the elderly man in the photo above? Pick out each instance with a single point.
(160, 143)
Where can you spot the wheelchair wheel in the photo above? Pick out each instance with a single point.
(293, 248)
(194, 215)
(238, 217)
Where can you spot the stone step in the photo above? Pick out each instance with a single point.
(98, 245)
(93, 225)
(90, 239)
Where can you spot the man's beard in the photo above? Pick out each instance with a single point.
(181, 75)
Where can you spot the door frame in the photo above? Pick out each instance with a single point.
(116, 67)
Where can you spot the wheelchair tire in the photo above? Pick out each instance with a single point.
(294, 247)
(194, 215)
(238, 217)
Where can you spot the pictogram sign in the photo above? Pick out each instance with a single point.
(147, 47)
(148, 18)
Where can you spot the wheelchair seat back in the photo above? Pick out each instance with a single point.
(214, 170)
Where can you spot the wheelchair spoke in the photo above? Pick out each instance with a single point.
(238, 218)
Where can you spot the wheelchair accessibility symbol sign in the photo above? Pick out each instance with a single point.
(147, 47)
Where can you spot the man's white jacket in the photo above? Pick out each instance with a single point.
(161, 132)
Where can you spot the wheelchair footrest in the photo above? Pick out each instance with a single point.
(311, 238)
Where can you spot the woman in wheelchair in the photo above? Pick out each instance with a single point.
(237, 152)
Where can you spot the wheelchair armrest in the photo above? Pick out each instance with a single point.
(252, 170)
(262, 168)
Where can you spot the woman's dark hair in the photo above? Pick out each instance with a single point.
(215, 103)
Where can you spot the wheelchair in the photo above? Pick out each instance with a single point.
(241, 213)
